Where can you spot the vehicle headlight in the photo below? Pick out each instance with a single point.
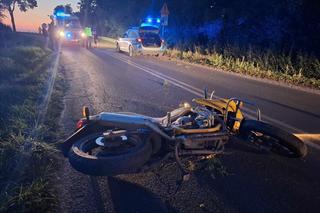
(69, 35)
(61, 34)
(83, 35)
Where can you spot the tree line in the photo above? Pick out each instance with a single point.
(280, 25)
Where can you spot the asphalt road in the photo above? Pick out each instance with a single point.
(106, 80)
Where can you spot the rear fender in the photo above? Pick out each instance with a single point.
(80, 133)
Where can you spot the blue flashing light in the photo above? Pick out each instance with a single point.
(146, 25)
(62, 14)
(69, 35)
(155, 26)
(149, 21)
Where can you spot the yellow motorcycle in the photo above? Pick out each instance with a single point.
(109, 144)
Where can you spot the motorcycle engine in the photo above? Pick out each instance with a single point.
(185, 122)
(204, 118)
(200, 118)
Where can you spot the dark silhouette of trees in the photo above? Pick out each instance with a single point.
(23, 5)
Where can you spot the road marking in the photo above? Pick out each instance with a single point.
(48, 93)
(309, 137)
(199, 93)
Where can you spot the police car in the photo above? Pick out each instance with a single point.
(144, 40)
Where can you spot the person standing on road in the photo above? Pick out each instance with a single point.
(51, 36)
(88, 40)
(51, 31)
(95, 37)
(44, 30)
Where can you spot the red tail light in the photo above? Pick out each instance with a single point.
(81, 123)
(139, 40)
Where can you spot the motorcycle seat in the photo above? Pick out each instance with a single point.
(174, 115)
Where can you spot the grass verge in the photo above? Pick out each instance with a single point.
(300, 70)
(105, 42)
(26, 163)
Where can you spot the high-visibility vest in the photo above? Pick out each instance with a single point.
(88, 31)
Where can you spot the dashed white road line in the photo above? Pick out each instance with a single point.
(310, 139)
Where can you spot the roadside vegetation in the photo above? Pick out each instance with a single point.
(10, 39)
(301, 69)
(27, 155)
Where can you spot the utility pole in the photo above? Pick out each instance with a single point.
(86, 8)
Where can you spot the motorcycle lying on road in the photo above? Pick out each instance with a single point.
(109, 144)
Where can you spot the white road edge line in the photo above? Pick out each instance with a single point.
(198, 92)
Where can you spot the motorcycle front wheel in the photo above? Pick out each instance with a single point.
(93, 156)
(273, 138)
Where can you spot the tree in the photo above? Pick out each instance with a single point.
(1, 12)
(23, 5)
(87, 11)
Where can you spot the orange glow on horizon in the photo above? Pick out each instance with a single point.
(31, 20)
(24, 23)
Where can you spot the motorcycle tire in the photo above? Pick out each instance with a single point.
(296, 148)
(112, 164)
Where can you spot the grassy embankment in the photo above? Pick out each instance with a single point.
(301, 70)
(27, 157)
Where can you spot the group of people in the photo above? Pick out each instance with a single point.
(47, 30)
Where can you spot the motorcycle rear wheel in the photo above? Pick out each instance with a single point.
(279, 141)
(88, 157)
